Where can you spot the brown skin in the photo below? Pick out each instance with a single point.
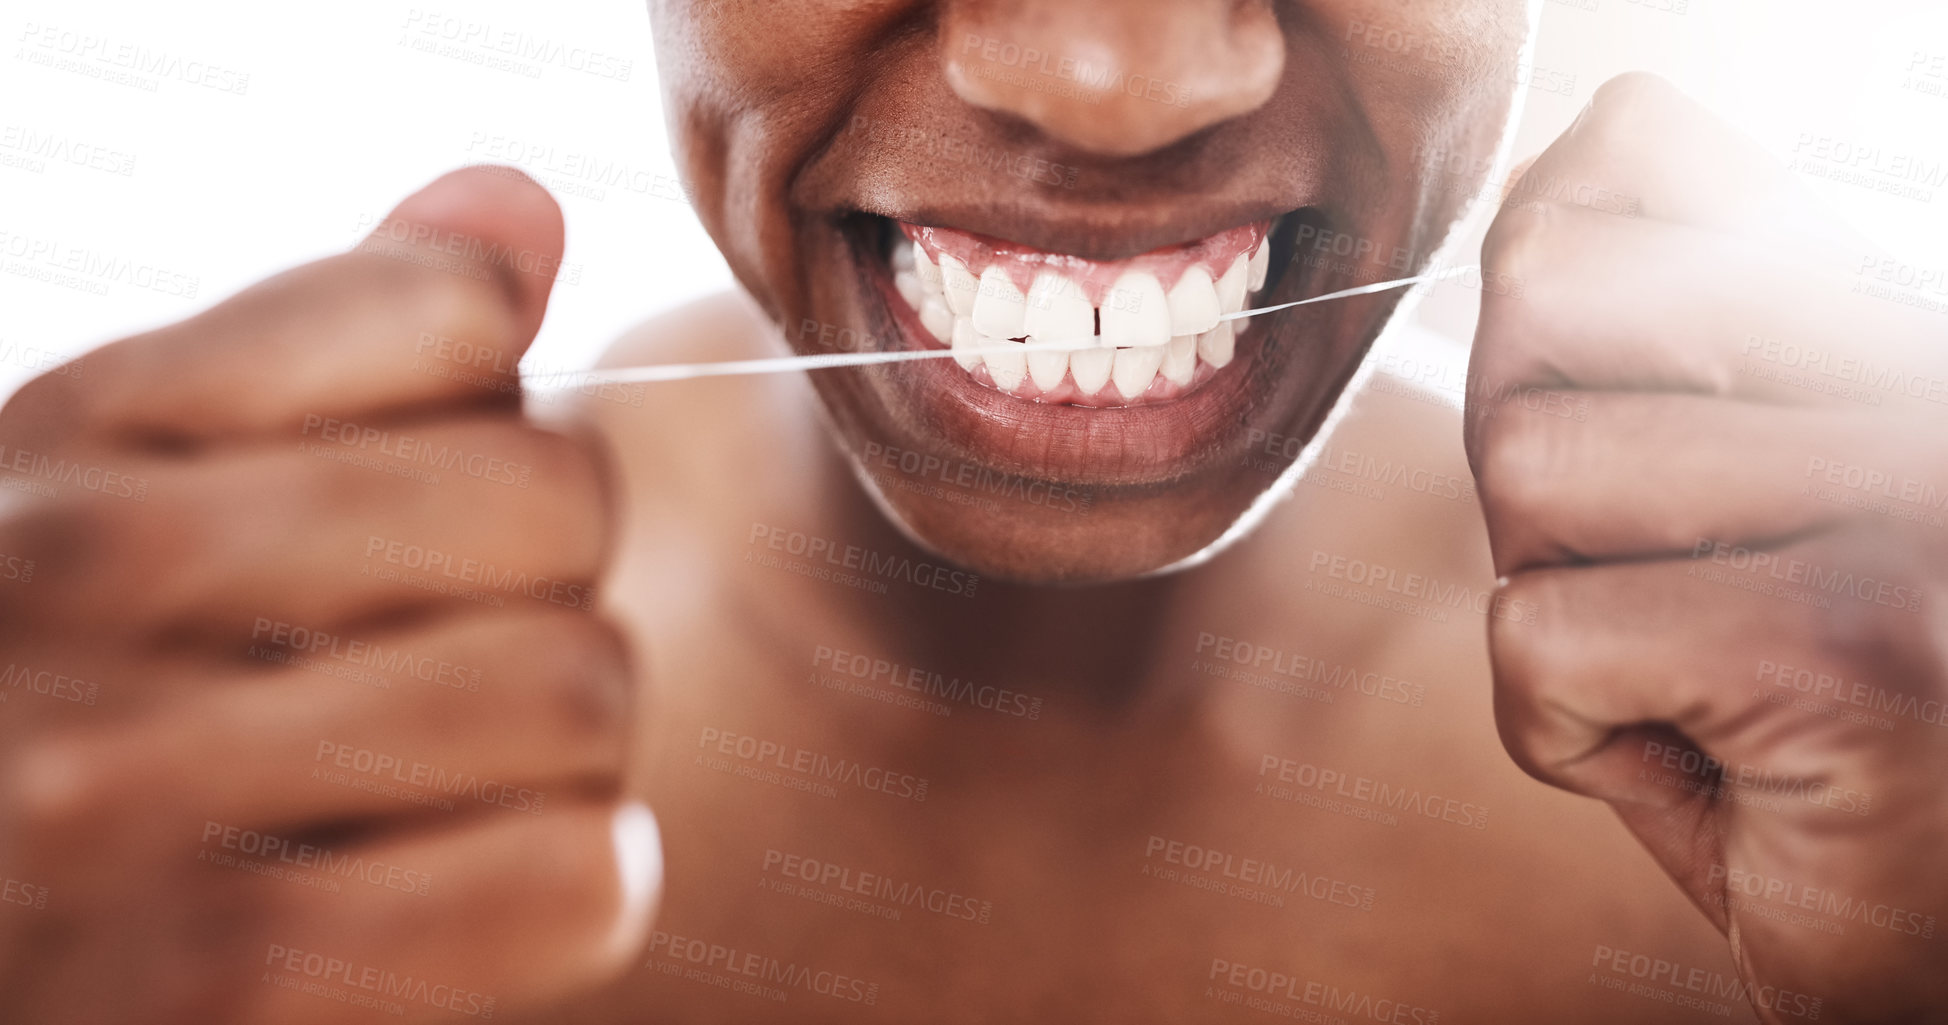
(794, 117)
(1054, 819)
(1598, 519)
(153, 587)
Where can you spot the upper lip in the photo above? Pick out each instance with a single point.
(1104, 234)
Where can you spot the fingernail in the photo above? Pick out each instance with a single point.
(639, 866)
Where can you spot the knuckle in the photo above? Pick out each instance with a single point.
(1525, 245)
(1517, 455)
(578, 460)
(1529, 661)
(51, 793)
(46, 410)
(454, 304)
(1518, 241)
(1624, 115)
(580, 509)
(1521, 652)
(1875, 623)
(585, 686)
(45, 546)
(1633, 96)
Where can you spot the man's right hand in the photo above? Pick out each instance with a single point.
(304, 712)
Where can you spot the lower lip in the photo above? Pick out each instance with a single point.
(1110, 446)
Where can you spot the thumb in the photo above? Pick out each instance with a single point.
(485, 219)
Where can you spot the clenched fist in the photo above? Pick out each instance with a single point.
(1712, 446)
(308, 717)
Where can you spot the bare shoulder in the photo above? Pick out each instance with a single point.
(681, 449)
(1390, 486)
(727, 325)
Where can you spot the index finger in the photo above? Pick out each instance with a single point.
(435, 307)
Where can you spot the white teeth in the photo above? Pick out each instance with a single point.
(999, 308)
(1047, 369)
(1180, 360)
(1216, 344)
(937, 318)
(1193, 303)
(1136, 368)
(1007, 368)
(1140, 332)
(926, 269)
(1057, 310)
(1090, 368)
(965, 339)
(959, 285)
(1231, 287)
(908, 285)
(1135, 311)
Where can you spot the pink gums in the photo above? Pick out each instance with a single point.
(1215, 253)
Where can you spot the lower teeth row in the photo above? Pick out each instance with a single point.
(955, 306)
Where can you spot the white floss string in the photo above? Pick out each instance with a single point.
(820, 361)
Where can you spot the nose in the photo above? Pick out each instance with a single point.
(1115, 77)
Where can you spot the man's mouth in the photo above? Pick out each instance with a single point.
(1146, 329)
(1157, 386)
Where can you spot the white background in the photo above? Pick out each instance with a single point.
(340, 116)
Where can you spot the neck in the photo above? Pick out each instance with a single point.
(1100, 643)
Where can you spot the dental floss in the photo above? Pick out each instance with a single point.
(820, 361)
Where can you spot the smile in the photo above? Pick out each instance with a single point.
(1149, 326)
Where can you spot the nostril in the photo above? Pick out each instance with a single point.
(1117, 78)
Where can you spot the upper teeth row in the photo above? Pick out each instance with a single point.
(1145, 331)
